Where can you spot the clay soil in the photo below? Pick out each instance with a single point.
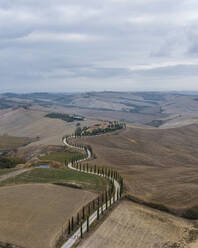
(133, 226)
(33, 215)
(158, 165)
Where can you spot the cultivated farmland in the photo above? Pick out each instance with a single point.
(33, 215)
(158, 165)
(134, 226)
(11, 142)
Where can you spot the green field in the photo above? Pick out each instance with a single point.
(6, 171)
(38, 175)
(63, 156)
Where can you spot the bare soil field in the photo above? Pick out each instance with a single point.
(45, 134)
(133, 226)
(10, 142)
(158, 165)
(32, 123)
(33, 215)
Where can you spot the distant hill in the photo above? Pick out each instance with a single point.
(158, 109)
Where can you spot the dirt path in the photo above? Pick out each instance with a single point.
(13, 174)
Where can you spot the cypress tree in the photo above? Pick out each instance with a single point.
(83, 213)
(110, 197)
(72, 223)
(98, 213)
(77, 219)
(98, 201)
(69, 228)
(121, 185)
(87, 223)
(106, 200)
(102, 197)
(81, 230)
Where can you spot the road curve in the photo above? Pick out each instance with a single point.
(72, 240)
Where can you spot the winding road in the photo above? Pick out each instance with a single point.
(73, 239)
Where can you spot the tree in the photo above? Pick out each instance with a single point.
(87, 223)
(81, 230)
(121, 186)
(78, 219)
(110, 197)
(78, 131)
(98, 201)
(69, 228)
(106, 198)
(98, 213)
(72, 223)
(102, 197)
(83, 213)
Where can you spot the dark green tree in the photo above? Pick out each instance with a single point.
(78, 219)
(83, 213)
(72, 224)
(87, 223)
(98, 213)
(106, 198)
(81, 230)
(69, 228)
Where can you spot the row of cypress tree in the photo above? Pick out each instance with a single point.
(103, 202)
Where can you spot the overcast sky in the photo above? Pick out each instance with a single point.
(85, 45)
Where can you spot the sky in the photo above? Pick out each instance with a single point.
(86, 45)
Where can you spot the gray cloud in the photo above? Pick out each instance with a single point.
(103, 45)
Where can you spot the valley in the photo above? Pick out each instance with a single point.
(156, 154)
